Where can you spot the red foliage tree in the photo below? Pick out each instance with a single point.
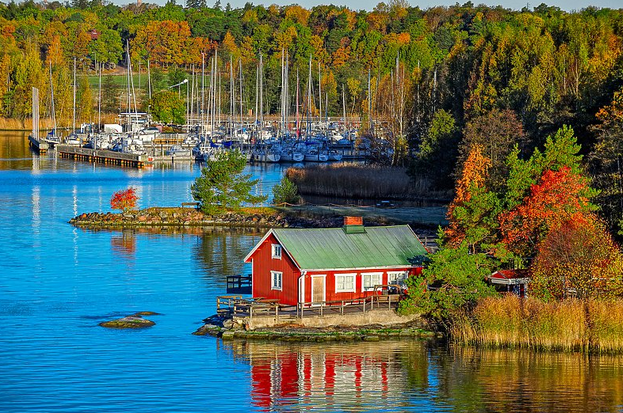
(560, 196)
(124, 200)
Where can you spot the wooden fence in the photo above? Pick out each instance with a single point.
(238, 307)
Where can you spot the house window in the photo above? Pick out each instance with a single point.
(397, 277)
(345, 283)
(276, 251)
(371, 279)
(276, 278)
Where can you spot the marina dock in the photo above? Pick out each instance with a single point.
(39, 145)
(103, 156)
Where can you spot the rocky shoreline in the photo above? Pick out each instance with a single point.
(228, 329)
(191, 217)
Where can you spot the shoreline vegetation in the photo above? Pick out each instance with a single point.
(570, 325)
(356, 181)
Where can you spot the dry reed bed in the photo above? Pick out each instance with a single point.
(569, 325)
(350, 180)
(47, 123)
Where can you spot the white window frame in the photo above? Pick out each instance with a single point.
(352, 289)
(276, 280)
(370, 287)
(276, 251)
(397, 277)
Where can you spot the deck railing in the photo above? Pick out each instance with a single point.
(256, 307)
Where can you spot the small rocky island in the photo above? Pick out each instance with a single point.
(267, 217)
(135, 320)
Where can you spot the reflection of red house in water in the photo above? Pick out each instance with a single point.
(324, 379)
(329, 264)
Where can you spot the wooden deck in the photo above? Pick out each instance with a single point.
(238, 307)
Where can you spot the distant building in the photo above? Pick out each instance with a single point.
(511, 281)
(328, 264)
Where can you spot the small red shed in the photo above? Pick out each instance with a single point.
(515, 281)
(326, 264)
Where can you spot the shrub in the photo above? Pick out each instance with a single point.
(285, 192)
(124, 200)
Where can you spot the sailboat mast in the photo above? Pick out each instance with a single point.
(369, 102)
(148, 80)
(319, 94)
(343, 106)
(99, 100)
(287, 92)
(309, 93)
(261, 93)
(203, 92)
(240, 80)
(74, 121)
(298, 132)
(52, 101)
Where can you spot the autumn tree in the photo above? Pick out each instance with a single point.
(473, 212)
(497, 132)
(124, 200)
(606, 160)
(578, 258)
(559, 196)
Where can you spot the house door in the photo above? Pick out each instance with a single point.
(318, 289)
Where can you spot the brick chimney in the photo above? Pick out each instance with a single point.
(353, 225)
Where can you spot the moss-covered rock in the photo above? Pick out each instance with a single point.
(132, 321)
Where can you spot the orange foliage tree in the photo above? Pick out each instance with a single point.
(472, 213)
(577, 257)
(124, 200)
(559, 196)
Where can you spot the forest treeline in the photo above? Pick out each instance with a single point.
(442, 79)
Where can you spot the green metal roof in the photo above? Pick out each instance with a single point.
(333, 248)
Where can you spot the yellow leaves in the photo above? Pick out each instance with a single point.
(229, 44)
(297, 14)
(474, 173)
(340, 57)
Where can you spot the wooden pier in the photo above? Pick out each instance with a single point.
(38, 144)
(103, 156)
(239, 284)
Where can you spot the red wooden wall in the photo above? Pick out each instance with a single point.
(263, 264)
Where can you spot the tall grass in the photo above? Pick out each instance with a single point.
(47, 123)
(350, 180)
(568, 325)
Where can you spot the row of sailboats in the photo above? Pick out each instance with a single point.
(208, 131)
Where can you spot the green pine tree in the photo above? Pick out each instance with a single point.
(222, 186)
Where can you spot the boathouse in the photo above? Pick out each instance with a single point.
(320, 265)
(510, 281)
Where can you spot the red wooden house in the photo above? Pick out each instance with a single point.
(327, 264)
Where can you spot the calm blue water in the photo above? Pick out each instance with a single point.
(58, 282)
